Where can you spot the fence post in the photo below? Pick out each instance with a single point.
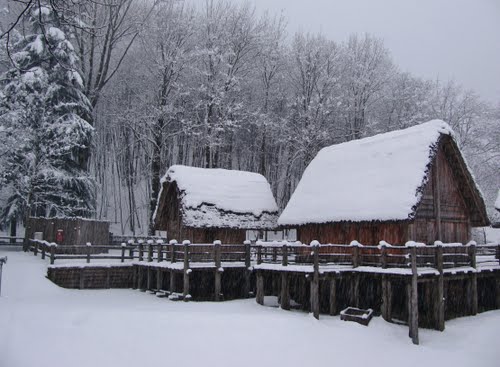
(247, 269)
(89, 245)
(131, 249)
(52, 253)
(123, 245)
(3, 260)
(43, 252)
(150, 250)
(413, 294)
(285, 286)
(35, 249)
(259, 255)
(172, 250)
(141, 249)
(383, 254)
(218, 270)
(185, 292)
(439, 302)
(472, 294)
(315, 280)
(159, 250)
(355, 253)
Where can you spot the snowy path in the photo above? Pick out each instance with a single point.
(44, 325)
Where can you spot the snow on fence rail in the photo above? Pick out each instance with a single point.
(284, 253)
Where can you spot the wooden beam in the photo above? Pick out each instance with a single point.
(333, 296)
(413, 294)
(439, 300)
(315, 284)
(285, 291)
(436, 193)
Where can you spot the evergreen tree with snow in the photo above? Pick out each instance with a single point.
(45, 124)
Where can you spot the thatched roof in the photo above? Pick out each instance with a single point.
(220, 198)
(380, 178)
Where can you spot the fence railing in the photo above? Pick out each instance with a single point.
(385, 255)
(10, 241)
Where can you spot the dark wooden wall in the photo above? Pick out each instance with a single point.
(168, 219)
(442, 204)
(77, 231)
(442, 192)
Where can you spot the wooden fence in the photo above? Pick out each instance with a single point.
(11, 241)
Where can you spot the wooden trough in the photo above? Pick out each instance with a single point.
(358, 315)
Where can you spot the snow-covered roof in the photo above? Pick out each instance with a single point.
(376, 178)
(213, 197)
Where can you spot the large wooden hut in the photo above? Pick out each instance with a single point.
(203, 204)
(411, 184)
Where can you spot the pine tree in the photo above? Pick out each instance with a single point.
(45, 124)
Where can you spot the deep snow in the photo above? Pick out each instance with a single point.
(44, 325)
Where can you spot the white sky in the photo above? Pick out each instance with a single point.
(457, 39)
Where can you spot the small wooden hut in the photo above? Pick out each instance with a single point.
(411, 184)
(203, 204)
(72, 231)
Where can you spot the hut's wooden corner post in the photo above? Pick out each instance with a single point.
(150, 250)
(247, 269)
(285, 286)
(123, 247)
(218, 271)
(413, 296)
(171, 283)
(159, 250)
(140, 245)
(472, 294)
(315, 280)
(187, 271)
(439, 301)
(52, 253)
(89, 250)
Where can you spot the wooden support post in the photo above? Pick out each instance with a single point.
(218, 270)
(108, 277)
(440, 300)
(247, 289)
(122, 258)
(159, 279)
(436, 193)
(43, 252)
(35, 248)
(52, 253)
(473, 296)
(386, 298)
(260, 288)
(413, 297)
(275, 254)
(140, 277)
(333, 296)
(82, 278)
(89, 250)
(187, 271)
(355, 290)
(285, 291)
(172, 281)
(141, 250)
(150, 251)
(315, 281)
(149, 281)
(284, 260)
(131, 249)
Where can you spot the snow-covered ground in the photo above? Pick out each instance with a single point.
(44, 325)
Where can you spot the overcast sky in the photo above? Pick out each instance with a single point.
(457, 39)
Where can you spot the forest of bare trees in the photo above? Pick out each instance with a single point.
(224, 85)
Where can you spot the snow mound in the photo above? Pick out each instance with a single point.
(376, 178)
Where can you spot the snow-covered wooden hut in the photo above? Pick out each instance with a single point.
(411, 184)
(207, 204)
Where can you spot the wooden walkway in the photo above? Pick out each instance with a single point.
(417, 276)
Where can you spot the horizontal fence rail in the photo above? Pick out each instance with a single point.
(439, 256)
(9, 241)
